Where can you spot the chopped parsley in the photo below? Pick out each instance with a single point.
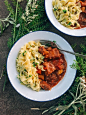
(33, 59)
(30, 75)
(36, 77)
(25, 70)
(54, 41)
(21, 82)
(34, 64)
(55, 9)
(24, 53)
(69, 23)
(64, 11)
(42, 57)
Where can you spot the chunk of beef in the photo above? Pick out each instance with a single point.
(44, 85)
(52, 79)
(56, 53)
(50, 53)
(58, 64)
(43, 51)
(82, 17)
(53, 53)
(49, 67)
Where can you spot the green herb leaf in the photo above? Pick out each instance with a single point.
(69, 23)
(25, 70)
(55, 9)
(33, 64)
(36, 63)
(30, 75)
(24, 53)
(64, 11)
(42, 57)
(54, 41)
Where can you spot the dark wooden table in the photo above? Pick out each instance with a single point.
(11, 102)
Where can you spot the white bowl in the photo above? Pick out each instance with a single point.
(53, 20)
(42, 95)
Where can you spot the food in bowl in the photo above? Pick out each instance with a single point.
(54, 65)
(27, 62)
(39, 66)
(70, 13)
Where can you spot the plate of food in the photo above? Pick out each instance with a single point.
(68, 16)
(38, 71)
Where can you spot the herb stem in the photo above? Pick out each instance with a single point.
(67, 107)
(16, 38)
(15, 22)
(5, 83)
(77, 102)
(84, 96)
(6, 19)
(74, 101)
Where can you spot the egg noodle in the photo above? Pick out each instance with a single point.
(27, 62)
(67, 12)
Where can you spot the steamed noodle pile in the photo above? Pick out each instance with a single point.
(27, 62)
(67, 12)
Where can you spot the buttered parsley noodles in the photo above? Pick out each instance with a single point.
(27, 62)
(67, 12)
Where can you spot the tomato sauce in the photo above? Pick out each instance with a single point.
(82, 17)
(55, 67)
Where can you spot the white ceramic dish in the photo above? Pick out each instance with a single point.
(42, 95)
(53, 20)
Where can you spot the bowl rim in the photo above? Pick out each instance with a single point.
(62, 25)
(31, 89)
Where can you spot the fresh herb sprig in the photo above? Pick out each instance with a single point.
(79, 100)
(32, 18)
(23, 21)
(80, 65)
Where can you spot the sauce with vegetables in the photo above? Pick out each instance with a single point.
(82, 17)
(55, 67)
